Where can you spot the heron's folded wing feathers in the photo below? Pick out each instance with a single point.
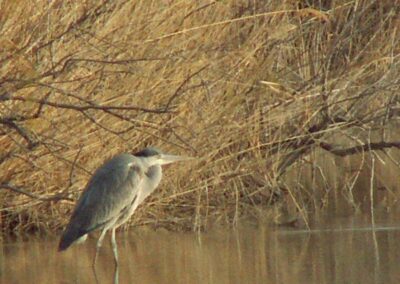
(106, 195)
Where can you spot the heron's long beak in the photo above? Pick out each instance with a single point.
(165, 159)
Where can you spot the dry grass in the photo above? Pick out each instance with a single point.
(257, 90)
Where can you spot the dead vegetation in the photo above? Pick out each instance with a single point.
(269, 95)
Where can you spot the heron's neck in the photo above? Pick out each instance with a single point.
(153, 174)
(151, 181)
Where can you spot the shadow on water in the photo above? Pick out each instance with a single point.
(344, 250)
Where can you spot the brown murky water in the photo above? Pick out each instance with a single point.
(345, 250)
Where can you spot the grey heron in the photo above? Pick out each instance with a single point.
(112, 195)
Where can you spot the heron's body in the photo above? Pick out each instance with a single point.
(111, 196)
(113, 193)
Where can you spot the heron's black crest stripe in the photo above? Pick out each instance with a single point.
(148, 152)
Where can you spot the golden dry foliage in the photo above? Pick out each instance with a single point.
(262, 92)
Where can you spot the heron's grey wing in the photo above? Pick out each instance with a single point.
(109, 192)
(107, 195)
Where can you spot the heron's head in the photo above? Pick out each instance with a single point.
(154, 156)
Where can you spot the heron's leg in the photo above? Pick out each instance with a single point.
(115, 251)
(98, 245)
(114, 246)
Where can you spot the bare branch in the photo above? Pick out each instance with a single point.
(22, 131)
(69, 62)
(336, 150)
(55, 197)
(86, 107)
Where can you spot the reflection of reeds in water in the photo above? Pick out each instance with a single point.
(245, 255)
(253, 89)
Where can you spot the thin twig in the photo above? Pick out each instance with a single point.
(55, 197)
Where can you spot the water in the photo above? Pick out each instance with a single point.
(345, 250)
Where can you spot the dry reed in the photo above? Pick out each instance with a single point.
(269, 95)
